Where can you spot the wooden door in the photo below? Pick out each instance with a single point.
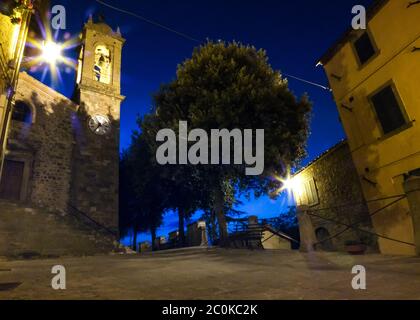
(11, 182)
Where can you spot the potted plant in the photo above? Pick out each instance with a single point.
(356, 247)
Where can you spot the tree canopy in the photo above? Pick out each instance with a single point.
(228, 86)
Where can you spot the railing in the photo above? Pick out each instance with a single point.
(89, 221)
(355, 225)
(250, 235)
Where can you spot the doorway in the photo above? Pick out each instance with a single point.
(323, 237)
(12, 180)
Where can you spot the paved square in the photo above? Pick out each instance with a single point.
(215, 274)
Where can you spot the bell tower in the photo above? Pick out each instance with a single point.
(95, 176)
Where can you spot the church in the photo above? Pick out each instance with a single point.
(62, 155)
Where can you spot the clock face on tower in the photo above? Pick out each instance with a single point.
(100, 124)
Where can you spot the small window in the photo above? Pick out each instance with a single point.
(388, 109)
(22, 112)
(364, 48)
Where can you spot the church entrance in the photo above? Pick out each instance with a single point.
(12, 179)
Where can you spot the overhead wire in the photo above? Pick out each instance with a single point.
(191, 38)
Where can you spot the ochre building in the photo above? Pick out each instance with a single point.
(375, 77)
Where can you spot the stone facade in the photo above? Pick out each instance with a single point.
(55, 160)
(45, 143)
(329, 188)
(95, 172)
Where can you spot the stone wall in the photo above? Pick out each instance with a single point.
(338, 191)
(48, 142)
(95, 178)
(65, 166)
(28, 232)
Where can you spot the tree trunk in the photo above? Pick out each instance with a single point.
(212, 226)
(181, 227)
(153, 232)
(221, 219)
(134, 244)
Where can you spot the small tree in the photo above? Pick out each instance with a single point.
(183, 192)
(126, 199)
(229, 86)
(149, 202)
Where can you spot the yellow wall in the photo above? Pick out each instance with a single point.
(9, 40)
(7, 30)
(395, 30)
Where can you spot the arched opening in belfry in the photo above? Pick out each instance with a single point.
(102, 68)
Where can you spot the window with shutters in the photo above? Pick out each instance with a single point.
(307, 193)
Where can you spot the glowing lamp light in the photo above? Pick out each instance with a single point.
(288, 184)
(51, 57)
(51, 52)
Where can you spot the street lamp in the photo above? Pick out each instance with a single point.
(51, 52)
(288, 184)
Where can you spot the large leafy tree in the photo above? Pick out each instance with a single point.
(230, 86)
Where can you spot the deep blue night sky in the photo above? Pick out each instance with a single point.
(294, 34)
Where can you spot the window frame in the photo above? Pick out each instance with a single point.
(374, 45)
(32, 112)
(408, 123)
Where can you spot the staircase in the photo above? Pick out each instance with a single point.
(27, 232)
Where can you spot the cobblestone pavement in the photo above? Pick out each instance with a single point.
(214, 274)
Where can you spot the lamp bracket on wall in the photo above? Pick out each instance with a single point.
(412, 3)
(346, 107)
(335, 77)
(372, 183)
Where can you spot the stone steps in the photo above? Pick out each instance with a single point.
(27, 232)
